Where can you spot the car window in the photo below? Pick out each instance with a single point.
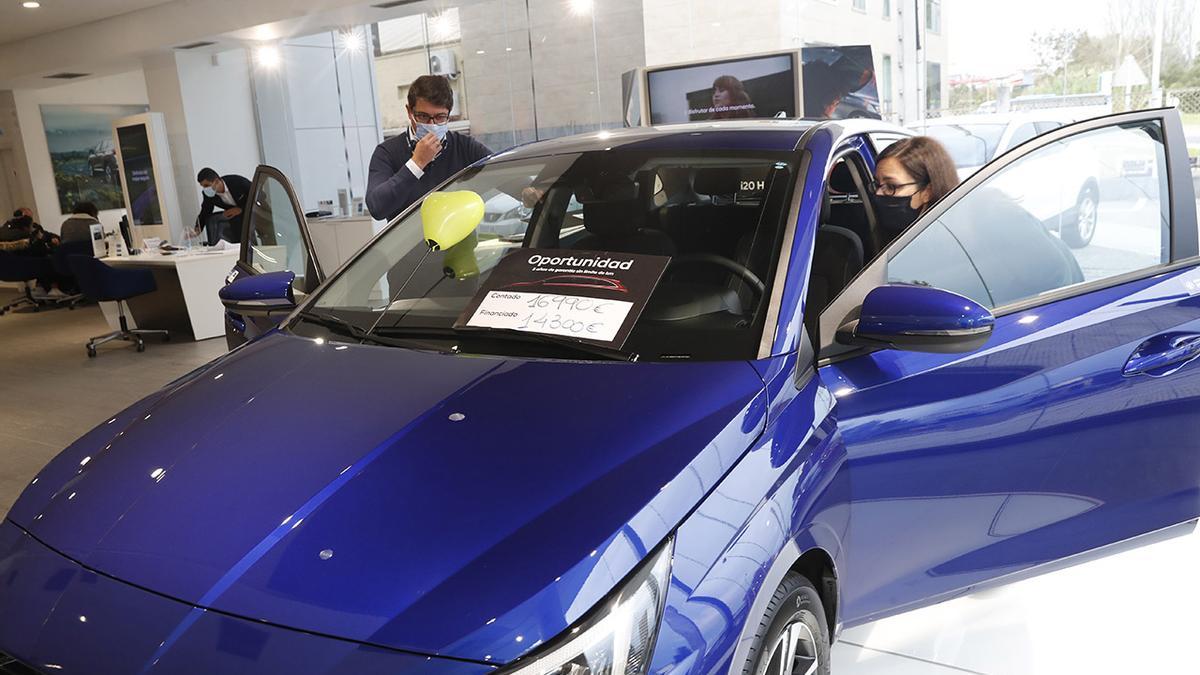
(276, 242)
(970, 145)
(719, 215)
(1023, 133)
(1086, 208)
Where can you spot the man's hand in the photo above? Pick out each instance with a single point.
(427, 148)
(232, 212)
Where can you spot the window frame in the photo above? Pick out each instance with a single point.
(1185, 237)
(262, 174)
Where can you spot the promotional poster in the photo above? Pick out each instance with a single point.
(80, 141)
(590, 296)
(139, 174)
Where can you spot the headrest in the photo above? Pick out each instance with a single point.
(613, 219)
(721, 181)
(607, 188)
(840, 179)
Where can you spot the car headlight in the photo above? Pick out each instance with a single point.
(616, 639)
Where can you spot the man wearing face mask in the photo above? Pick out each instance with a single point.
(227, 194)
(404, 168)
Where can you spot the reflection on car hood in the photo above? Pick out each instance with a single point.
(436, 503)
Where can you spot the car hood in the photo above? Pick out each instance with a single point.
(435, 503)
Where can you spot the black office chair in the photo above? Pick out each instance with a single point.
(102, 283)
(62, 266)
(24, 270)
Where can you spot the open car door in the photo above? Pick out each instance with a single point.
(275, 238)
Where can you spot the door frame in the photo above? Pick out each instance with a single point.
(1185, 238)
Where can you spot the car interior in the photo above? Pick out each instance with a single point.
(719, 221)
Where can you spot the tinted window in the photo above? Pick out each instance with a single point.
(1089, 207)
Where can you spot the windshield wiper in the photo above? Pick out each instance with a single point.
(382, 334)
(339, 325)
(609, 353)
(511, 334)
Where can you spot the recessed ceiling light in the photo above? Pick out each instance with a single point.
(31, 4)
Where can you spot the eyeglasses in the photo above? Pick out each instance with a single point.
(426, 118)
(890, 189)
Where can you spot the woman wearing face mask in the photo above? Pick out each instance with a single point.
(910, 176)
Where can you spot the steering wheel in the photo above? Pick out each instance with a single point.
(731, 266)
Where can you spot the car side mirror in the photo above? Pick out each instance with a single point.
(264, 295)
(919, 319)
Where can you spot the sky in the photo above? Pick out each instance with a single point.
(987, 37)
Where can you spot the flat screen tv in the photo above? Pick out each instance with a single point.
(745, 88)
(139, 174)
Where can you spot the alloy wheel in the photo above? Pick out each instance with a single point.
(795, 652)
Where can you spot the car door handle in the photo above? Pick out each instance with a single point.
(1163, 354)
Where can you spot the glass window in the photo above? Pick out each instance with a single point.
(933, 16)
(1086, 208)
(719, 214)
(970, 145)
(885, 83)
(887, 9)
(1043, 127)
(860, 5)
(933, 86)
(1023, 133)
(276, 242)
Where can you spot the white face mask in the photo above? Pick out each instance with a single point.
(210, 192)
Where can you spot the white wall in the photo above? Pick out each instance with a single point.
(125, 88)
(220, 111)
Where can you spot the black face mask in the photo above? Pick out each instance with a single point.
(895, 213)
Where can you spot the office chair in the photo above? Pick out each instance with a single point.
(102, 283)
(63, 267)
(24, 270)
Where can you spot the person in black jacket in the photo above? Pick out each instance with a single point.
(227, 194)
(404, 168)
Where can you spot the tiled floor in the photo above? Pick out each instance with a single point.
(1129, 610)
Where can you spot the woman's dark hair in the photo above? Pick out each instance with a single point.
(432, 88)
(737, 97)
(86, 207)
(926, 160)
(206, 174)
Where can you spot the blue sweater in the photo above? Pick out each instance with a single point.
(391, 187)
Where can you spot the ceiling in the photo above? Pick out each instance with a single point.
(18, 23)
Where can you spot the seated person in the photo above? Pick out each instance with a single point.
(14, 234)
(78, 227)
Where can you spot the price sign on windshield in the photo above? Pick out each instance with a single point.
(593, 296)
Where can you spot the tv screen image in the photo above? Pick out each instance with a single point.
(139, 174)
(839, 82)
(755, 87)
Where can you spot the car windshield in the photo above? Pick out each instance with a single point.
(719, 216)
(971, 145)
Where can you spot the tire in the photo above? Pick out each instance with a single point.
(795, 618)
(1079, 233)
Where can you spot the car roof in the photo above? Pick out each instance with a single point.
(1062, 115)
(782, 135)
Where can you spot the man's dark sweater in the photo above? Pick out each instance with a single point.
(392, 186)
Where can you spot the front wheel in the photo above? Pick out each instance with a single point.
(1079, 233)
(793, 635)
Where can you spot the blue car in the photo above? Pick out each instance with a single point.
(811, 422)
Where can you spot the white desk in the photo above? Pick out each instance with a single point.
(186, 299)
